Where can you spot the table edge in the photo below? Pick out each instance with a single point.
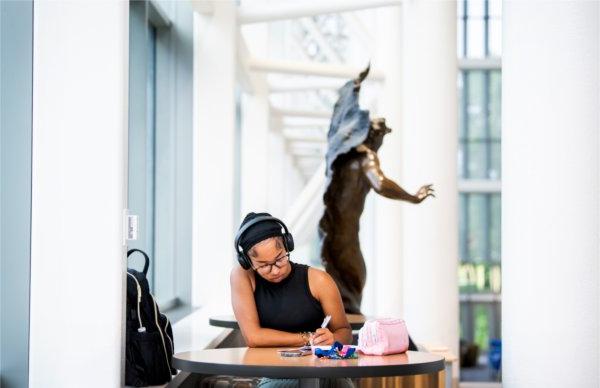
(306, 371)
(225, 324)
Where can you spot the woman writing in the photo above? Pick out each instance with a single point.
(277, 302)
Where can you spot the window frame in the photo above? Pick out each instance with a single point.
(471, 302)
(169, 207)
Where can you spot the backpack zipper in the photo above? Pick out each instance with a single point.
(167, 334)
(160, 332)
(141, 329)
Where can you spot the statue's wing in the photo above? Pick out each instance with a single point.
(349, 124)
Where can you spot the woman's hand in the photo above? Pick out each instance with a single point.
(323, 337)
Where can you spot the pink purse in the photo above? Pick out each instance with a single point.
(383, 336)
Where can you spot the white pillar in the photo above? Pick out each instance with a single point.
(79, 177)
(255, 149)
(550, 206)
(276, 173)
(384, 275)
(429, 155)
(213, 222)
(368, 239)
(256, 121)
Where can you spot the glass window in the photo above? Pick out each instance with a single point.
(151, 144)
(481, 329)
(479, 126)
(476, 232)
(479, 273)
(142, 133)
(159, 188)
(479, 227)
(494, 100)
(479, 31)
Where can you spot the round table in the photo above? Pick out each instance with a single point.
(266, 362)
(228, 321)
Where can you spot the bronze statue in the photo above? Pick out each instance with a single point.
(353, 169)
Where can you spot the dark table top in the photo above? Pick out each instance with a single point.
(266, 362)
(228, 321)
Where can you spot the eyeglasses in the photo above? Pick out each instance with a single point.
(279, 263)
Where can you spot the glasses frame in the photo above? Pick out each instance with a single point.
(273, 264)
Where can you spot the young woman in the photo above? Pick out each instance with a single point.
(277, 302)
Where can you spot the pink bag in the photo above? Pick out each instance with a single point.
(383, 336)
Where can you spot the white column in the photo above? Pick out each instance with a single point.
(256, 122)
(368, 238)
(384, 275)
(276, 174)
(550, 189)
(429, 155)
(255, 150)
(79, 170)
(213, 222)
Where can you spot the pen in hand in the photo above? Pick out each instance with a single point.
(323, 325)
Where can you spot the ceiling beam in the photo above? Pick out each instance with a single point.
(319, 125)
(314, 147)
(312, 154)
(294, 10)
(310, 68)
(304, 87)
(300, 113)
(204, 7)
(304, 138)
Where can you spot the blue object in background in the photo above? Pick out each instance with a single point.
(495, 354)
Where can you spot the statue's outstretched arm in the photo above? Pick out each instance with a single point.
(385, 186)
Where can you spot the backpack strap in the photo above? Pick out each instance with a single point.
(147, 263)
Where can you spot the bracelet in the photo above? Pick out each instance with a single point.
(306, 337)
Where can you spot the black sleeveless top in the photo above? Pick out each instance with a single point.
(288, 305)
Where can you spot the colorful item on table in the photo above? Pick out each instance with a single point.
(337, 352)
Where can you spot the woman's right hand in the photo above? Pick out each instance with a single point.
(323, 337)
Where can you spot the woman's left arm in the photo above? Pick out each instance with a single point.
(324, 289)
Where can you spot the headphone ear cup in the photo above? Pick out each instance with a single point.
(243, 260)
(289, 241)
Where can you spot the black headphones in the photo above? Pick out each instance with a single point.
(243, 259)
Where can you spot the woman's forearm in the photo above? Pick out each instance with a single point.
(272, 338)
(343, 335)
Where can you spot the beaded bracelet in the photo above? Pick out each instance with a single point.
(306, 337)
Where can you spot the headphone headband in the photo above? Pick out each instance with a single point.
(288, 241)
(255, 221)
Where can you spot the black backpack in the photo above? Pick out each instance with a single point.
(149, 336)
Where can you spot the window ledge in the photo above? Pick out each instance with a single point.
(193, 332)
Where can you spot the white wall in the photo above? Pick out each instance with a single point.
(284, 182)
(412, 250)
(429, 155)
(387, 265)
(550, 189)
(78, 193)
(255, 151)
(215, 53)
